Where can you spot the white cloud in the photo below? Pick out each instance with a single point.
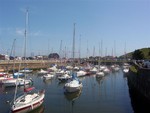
(20, 32)
(38, 33)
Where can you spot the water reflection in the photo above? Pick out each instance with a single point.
(47, 81)
(139, 103)
(6, 90)
(38, 110)
(99, 95)
(99, 80)
(125, 75)
(72, 96)
(61, 83)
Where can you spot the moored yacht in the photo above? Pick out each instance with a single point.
(73, 85)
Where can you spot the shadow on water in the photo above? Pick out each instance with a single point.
(139, 103)
(48, 82)
(39, 109)
(72, 96)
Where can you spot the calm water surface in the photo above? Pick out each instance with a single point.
(107, 95)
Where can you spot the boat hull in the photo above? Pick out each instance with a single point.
(29, 108)
(72, 89)
(48, 77)
(14, 82)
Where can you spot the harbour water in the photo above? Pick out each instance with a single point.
(107, 95)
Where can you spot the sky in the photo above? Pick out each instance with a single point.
(110, 26)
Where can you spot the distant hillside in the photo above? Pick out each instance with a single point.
(138, 54)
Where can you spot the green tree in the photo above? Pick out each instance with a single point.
(138, 55)
(149, 52)
(53, 55)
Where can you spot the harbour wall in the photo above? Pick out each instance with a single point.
(37, 64)
(139, 79)
(32, 64)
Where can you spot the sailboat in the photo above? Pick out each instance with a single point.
(74, 84)
(99, 73)
(125, 66)
(16, 81)
(30, 99)
(72, 96)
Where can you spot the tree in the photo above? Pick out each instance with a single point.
(53, 55)
(149, 52)
(138, 55)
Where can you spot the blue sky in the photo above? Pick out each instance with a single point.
(114, 22)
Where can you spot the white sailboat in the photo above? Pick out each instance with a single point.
(64, 77)
(81, 73)
(125, 66)
(42, 71)
(99, 73)
(93, 70)
(30, 99)
(13, 82)
(73, 85)
(126, 70)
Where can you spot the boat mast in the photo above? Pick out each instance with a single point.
(14, 55)
(25, 34)
(25, 42)
(60, 53)
(73, 47)
(12, 52)
(24, 54)
(99, 59)
(79, 49)
(125, 57)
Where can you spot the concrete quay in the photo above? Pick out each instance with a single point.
(32, 64)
